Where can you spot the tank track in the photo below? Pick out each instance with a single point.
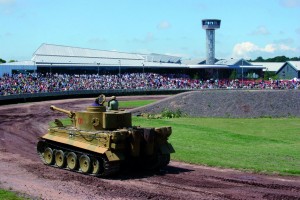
(108, 168)
(155, 162)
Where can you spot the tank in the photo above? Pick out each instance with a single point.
(101, 142)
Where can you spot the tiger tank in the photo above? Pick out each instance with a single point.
(101, 142)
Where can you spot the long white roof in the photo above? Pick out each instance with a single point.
(64, 55)
(19, 63)
(232, 62)
(295, 64)
(59, 55)
(153, 57)
(67, 51)
(67, 60)
(269, 66)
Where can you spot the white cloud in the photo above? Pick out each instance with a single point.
(7, 6)
(164, 25)
(290, 3)
(269, 48)
(261, 30)
(248, 49)
(241, 49)
(6, 2)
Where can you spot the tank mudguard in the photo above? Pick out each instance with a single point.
(75, 143)
(111, 156)
(167, 148)
(114, 156)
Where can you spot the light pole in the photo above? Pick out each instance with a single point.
(120, 80)
(34, 66)
(242, 73)
(143, 69)
(119, 68)
(98, 68)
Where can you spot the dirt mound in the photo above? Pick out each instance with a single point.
(230, 103)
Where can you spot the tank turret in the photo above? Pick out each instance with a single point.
(99, 140)
(97, 118)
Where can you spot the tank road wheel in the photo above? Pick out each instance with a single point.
(60, 158)
(85, 164)
(72, 161)
(48, 156)
(96, 166)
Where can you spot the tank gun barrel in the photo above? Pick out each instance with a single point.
(69, 113)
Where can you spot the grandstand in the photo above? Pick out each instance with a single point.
(50, 58)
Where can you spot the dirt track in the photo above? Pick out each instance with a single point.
(21, 170)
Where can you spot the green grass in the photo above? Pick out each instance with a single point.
(265, 145)
(268, 145)
(8, 195)
(134, 104)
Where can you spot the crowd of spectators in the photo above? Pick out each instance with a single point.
(38, 83)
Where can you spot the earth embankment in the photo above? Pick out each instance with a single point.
(230, 103)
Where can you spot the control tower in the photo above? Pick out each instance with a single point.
(210, 25)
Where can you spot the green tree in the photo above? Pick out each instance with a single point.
(2, 61)
(268, 75)
(12, 61)
(275, 59)
(259, 59)
(295, 59)
(233, 74)
(278, 59)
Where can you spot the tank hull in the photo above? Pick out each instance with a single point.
(102, 153)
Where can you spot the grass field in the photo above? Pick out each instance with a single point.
(134, 104)
(8, 195)
(268, 145)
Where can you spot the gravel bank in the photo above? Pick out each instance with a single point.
(230, 103)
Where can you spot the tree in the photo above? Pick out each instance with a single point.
(233, 74)
(268, 75)
(12, 61)
(2, 61)
(295, 59)
(275, 59)
(278, 59)
(259, 59)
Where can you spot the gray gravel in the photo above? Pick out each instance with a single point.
(230, 103)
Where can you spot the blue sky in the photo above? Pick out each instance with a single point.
(249, 28)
